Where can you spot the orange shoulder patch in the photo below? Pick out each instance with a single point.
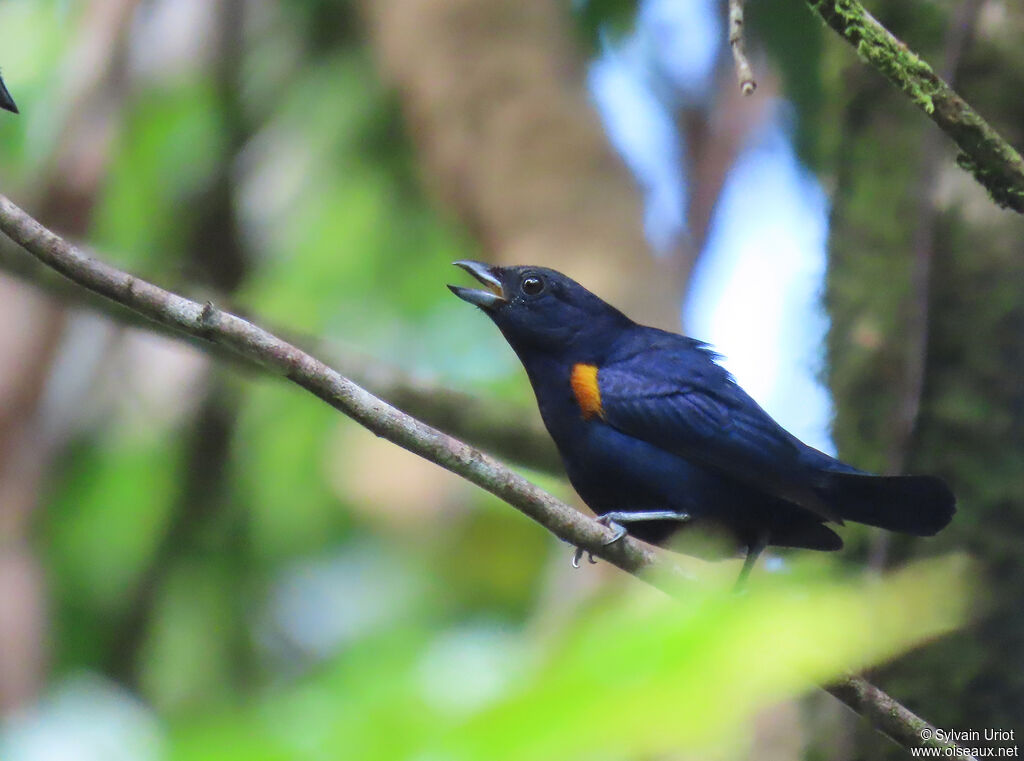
(586, 390)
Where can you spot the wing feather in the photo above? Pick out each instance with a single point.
(673, 394)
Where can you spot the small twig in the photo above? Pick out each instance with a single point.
(985, 153)
(276, 355)
(744, 74)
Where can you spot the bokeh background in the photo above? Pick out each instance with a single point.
(197, 561)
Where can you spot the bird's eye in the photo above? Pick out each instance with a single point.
(532, 285)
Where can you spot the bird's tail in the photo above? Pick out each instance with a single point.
(919, 505)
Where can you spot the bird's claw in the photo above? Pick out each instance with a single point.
(578, 555)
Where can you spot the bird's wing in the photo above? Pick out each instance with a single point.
(674, 395)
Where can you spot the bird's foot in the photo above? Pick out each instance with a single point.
(614, 521)
(605, 520)
(611, 520)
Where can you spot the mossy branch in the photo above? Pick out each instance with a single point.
(262, 348)
(984, 152)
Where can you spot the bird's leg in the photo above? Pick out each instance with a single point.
(753, 552)
(615, 519)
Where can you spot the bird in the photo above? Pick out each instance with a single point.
(659, 440)
(6, 101)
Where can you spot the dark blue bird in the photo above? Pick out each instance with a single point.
(657, 438)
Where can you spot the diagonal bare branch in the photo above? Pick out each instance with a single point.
(502, 428)
(206, 322)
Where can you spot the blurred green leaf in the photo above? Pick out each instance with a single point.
(279, 471)
(643, 677)
(103, 522)
(165, 155)
(638, 675)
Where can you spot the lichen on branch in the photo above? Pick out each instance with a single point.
(984, 152)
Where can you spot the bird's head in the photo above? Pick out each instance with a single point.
(538, 309)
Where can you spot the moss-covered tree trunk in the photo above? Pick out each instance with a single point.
(926, 351)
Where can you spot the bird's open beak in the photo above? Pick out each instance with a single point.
(494, 295)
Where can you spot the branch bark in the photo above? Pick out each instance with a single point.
(206, 322)
(501, 428)
(887, 715)
(984, 152)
